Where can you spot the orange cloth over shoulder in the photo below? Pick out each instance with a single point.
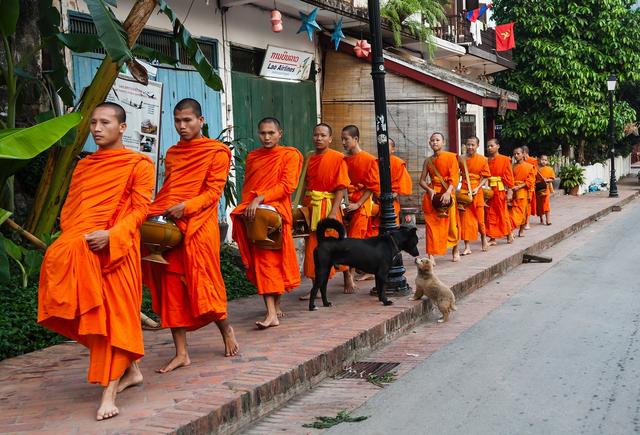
(95, 297)
(523, 173)
(274, 173)
(532, 201)
(189, 292)
(543, 204)
(498, 221)
(326, 174)
(471, 219)
(364, 175)
(442, 232)
(400, 182)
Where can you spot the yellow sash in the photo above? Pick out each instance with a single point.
(496, 182)
(316, 203)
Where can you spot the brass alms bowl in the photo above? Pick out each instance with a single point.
(159, 234)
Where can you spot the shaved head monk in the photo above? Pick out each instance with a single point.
(189, 293)
(498, 221)
(442, 170)
(365, 181)
(474, 170)
(532, 199)
(326, 180)
(524, 176)
(271, 175)
(90, 280)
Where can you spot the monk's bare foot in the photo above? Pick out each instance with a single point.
(485, 246)
(131, 378)
(466, 251)
(510, 238)
(365, 277)
(231, 347)
(492, 242)
(177, 362)
(527, 227)
(108, 407)
(350, 289)
(521, 232)
(456, 254)
(269, 322)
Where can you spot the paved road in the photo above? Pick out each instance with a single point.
(562, 356)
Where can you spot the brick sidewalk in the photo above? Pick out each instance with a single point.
(46, 391)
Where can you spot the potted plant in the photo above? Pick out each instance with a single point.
(571, 178)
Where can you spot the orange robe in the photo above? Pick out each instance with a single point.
(523, 174)
(189, 292)
(471, 219)
(95, 297)
(532, 200)
(400, 185)
(273, 173)
(498, 221)
(364, 175)
(326, 174)
(542, 201)
(442, 232)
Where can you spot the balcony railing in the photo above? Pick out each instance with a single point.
(457, 29)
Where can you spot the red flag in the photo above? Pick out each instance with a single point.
(505, 39)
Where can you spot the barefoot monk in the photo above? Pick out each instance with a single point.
(474, 170)
(441, 224)
(325, 182)
(524, 176)
(271, 176)
(498, 221)
(189, 293)
(90, 280)
(365, 181)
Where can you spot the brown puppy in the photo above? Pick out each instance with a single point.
(427, 284)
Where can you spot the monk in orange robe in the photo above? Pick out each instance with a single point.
(189, 292)
(401, 184)
(365, 182)
(325, 183)
(498, 221)
(543, 208)
(90, 281)
(471, 217)
(531, 211)
(442, 169)
(524, 176)
(271, 176)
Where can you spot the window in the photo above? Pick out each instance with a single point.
(159, 41)
(247, 60)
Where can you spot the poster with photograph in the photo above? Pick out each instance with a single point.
(143, 105)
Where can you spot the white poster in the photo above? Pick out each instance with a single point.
(282, 63)
(143, 105)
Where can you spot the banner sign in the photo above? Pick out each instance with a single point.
(143, 106)
(282, 63)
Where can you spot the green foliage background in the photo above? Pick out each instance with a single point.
(565, 51)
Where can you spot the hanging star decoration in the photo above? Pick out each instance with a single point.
(337, 34)
(309, 24)
(362, 48)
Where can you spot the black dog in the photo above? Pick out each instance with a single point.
(373, 255)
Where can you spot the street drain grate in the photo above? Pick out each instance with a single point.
(364, 369)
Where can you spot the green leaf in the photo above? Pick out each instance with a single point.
(79, 42)
(5, 274)
(4, 215)
(26, 143)
(12, 249)
(110, 31)
(196, 57)
(9, 16)
(151, 55)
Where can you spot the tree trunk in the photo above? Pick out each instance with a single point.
(55, 181)
(580, 157)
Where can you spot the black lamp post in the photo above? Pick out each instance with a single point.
(396, 281)
(613, 185)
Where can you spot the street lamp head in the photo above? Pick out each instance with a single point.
(611, 83)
